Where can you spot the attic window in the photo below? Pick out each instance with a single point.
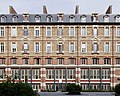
(83, 19)
(37, 18)
(49, 19)
(106, 19)
(72, 19)
(14, 18)
(3, 19)
(117, 18)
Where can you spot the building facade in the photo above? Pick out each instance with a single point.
(51, 50)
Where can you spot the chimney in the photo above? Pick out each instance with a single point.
(44, 10)
(77, 9)
(12, 10)
(109, 10)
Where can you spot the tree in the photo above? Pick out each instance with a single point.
(117, 89)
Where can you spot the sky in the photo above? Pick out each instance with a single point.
(56, 6)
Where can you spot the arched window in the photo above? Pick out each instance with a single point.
(83, 18)
(106, 18)
(3, 18)
(37, 18)
(72, 18)
(14, 18)
(49, 18)
(117, 18)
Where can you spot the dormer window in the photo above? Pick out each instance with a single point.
(3, 19)
(37, 18)
(25, 17)
(83, 18)
(106, 19)
(49, 19)
(72, 19)
(14, 18)
(117, 18)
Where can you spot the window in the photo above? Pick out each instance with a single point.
(95, 60)
(60, 48)
(60, 31)
(49, 61)
(106, 74)
(14, 18)
(49, 74)
(37, 18)
(49, 31)
(71, 31)
(48, 47)
(71, 74)
(49, 19)
(107, 61)
(84, 73)
(13, 60)
(60, 19)
(118, 31)
(106, 19)
(95, 31)
(3, 19)
(2, 60)
(72, 19)
(2, 47)
(117, 19)
(25, 61)
(37, 32)
(94, 18)
(60, 61)
(83, 47)
(95, 48)
(72, 47)
(25, 17)
(118, 61)
(25, 48)
(25, 31)
(72, 61)
(84, 61)
(2, 31)
(13, 47)
(83, 18)
(118, 47)
(106, 47)
(60, 74)
(106, 31)
(36, 74)
(36, 47)
(83, 31)
(13, 31)
(94, 74)
(37, 61)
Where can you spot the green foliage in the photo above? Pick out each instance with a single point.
(117, 89)
(73, 88)
(16, 89)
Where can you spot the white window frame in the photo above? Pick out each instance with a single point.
(25, 47)
(73, 47)
(84, 32)
(108, 29)
(37, 18)
(117, 18)
(27, 31)
(72, 18)
(2, 31)
(4, 47)
(117, 44)
(95, 31)
(106, 18)
(14, 32)
(106, 46)
(13, 46)
(70, 34)
(85, 47)
(14, 19)
(83, 18)
(60, 31)
(49, 18)
(36, 29)
(118, 31)
(48, 44)
(47, 31)
(35, 45)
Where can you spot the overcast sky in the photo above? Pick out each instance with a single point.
(55, 6)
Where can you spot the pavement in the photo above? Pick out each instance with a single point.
(82, 94)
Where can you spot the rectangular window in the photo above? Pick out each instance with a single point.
(83, 19)
(95, 31)
(95, 47)
(13, 47)
(107, 61)
(13, 60)
(2, 60)
(106, 74)
(49, 31)
(37, 61)
(95, 74)
(72, 61)
(84, 73)
(72, 47)
(48, 47)
(118, 31)
(37, 47)
(72, 19)
(60, 47)
(25, 61)
(83, 47)
(83, 31)
(106, 31)
(106, 47)
(2, 47)
(2, 31)
(60, 31)
(71, 31)
(13, 31)
(37, 32)
(71, 74)
(49, 61)
(106, 19)
(95, 60)
(25, 31)
(118, 46)
(118, 61)
(36, 74)
(84, 61)
(49, 74)
(60, 61)
(25, 47)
